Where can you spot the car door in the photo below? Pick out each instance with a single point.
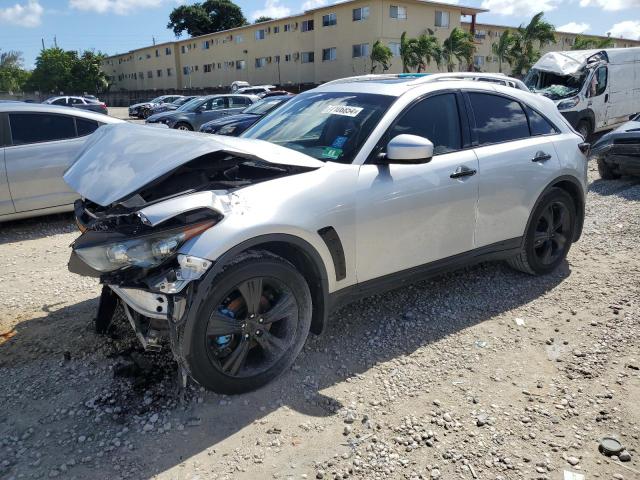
(514, 165)
(43, 146)
(413, 214)
(597, 98)
(6, 204)
(211, 110)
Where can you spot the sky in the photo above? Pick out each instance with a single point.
(116, 26)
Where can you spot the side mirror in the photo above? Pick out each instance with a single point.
(409, 149)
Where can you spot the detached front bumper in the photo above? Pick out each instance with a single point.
(621, 156)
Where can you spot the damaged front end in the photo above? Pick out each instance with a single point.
(139, 214)
(620, 149)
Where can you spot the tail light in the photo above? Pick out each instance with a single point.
(584, 147)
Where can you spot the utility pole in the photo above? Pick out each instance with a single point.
(42, 43)
(55, 41)
(154, 41)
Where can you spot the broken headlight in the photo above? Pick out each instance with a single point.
(569, 103)
(145, 251)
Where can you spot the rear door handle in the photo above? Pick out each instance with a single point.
(463, 171)
(541, 157)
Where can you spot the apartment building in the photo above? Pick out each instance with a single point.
(486, 35)
(313, 47)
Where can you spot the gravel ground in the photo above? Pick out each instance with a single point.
(481, 374)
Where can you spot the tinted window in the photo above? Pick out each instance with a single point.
(435, 118)
(75, 101)
(498, 119)
(60, 101)
(238, 101)
(86, 127)
(538, 124)
(40, 127)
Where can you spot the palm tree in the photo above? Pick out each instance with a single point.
(523, 49)
(585, 43)
(458, 46)
(409, 53)
(502, 48)
(380, 55)
(428, 50)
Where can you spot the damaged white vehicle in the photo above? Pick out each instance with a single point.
(234, 249)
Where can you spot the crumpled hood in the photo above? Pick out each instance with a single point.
(564, 63)
(119, 159)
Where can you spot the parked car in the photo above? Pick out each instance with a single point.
(37, 144)
(594, 89)
(193, 114)
(618, 152)
(239, 84)
(234, 125)
(84, 103)
(256, 90)
(136, 109)
(170, 106)
(239, 246)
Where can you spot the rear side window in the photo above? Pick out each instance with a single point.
(435, 118)
(498, 119)
(538, 124)
(60, 101)
(85, 126)
(40, 127)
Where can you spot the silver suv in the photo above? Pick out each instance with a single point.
(236, 248)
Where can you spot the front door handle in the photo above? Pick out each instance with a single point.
(463, 171)
(541, 157)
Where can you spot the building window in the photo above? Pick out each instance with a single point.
(167, 51)
(207, 68)
(361, 50)
(241, 64)
(158, 73)
(328, 54)
(395, 48)
(398, 12)
(157, 52)
(169, 72)
(220, 66)
(287, 57)
(359, 14)
(149, 74)
(141, 75)
(329, 20)
(239, 39)
(261, 62)
(442, 19)
(205, 45)
(148, 56)
(182, 49)
(287, 27)
(260, 34)
(478, 60)
(479, 35)
(307, 57)
(307, 25)
(185, 70)
(276, 59)
(276, 29)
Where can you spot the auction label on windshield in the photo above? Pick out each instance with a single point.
(342, 110)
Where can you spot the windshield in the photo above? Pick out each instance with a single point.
(156, 100)
(190, 105)
(181, 101)
(265, 106)
(329, 126)
(554, 86)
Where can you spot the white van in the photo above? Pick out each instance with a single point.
(594, 89)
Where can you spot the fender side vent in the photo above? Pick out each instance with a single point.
(332, 240)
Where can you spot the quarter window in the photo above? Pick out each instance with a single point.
(85, 126)
(40, 127)
(498, 119)
(538, 124)
(598, 82)
(435, 118)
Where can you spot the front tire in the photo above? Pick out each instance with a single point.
(549, 235)
(252, 325)
(183, 126)
(606, 172)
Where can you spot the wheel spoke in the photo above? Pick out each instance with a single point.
(271, 345)
(560, 241)
(548, 218)
(251, 291)
(283, 308)
(220, 324)
(546, 253)
(560, 218)
(539, 238)
(234, 362)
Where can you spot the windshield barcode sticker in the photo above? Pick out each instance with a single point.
(342, 110)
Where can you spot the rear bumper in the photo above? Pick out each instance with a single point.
(624, 157)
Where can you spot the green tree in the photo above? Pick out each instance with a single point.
(428, 50)
(53, 70)
(523, 50)
(207, 17)
(585, 43)
(87, 75)
(502, 48)
(409, 53)
(458, 46)
(13, 76)
(380, 55)
(262, 19)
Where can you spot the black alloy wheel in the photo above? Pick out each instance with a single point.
(551, 233)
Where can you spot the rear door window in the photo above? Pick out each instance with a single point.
(60, 101)
(86, 126)
(538, 124)
(40, 127)
(497, 119)
(75, 101)
(435, 118)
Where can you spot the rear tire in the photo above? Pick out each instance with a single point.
(183, 126)
(549, 235)
(606, 172)
(233, 350)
